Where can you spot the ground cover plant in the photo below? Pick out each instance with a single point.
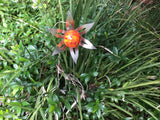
(118, 80)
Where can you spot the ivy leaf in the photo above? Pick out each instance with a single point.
(31, 47)
(115, 50)
(58, 111)
(87, 79)
(90, 107)
(95, 74)
(15, 66)
(25, 103)
(55, 98)
(51, 108)
(67, 105)
(50, 101)
(98, 113)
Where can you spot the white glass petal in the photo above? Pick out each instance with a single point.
(69, 17)
(52, 30)
(87, 45)
(74, 55)
(69, 21)
(85, 27)
(57, 51)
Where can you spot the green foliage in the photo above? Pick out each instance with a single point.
(118, 80)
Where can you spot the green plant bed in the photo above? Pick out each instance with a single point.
(118, 80)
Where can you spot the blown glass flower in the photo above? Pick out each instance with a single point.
(72, 38)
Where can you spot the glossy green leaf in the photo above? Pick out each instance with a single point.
(50, 101)
(98, 113)
(87, 79)
(94, 74)
(67, 105)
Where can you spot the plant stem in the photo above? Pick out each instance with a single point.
(71, 6)
(79, 103)
(60, 6)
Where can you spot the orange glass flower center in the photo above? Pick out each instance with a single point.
(72, 38)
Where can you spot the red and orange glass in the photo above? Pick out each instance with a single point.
(72, 38)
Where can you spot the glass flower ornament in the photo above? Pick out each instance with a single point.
(72, 38)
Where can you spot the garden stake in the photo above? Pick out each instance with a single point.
(72, 38)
